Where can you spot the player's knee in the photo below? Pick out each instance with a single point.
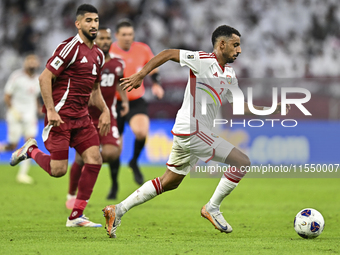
(95, 159)
(58, 171)
(78, 159)
(240, 160)
(110, 156)
(245, 161)
(140, 134)
(92, 157)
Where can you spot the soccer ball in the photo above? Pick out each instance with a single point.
(309, 223)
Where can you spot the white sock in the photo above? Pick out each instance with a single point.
(24, 167)
(146, 192)
(69, 196)
(224, 188)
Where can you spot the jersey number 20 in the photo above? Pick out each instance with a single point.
(107, 80)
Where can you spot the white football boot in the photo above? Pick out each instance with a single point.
(21, 154)
(82, 221)
(217, 219)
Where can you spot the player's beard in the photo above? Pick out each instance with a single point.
(105, 48)
(89, 36)
(31, 70)
(231, 59)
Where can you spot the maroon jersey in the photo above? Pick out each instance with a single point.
(111, 73)
(77, 68)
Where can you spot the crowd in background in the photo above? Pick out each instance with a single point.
(280, 38)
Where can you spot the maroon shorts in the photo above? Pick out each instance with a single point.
(112, 136)
(78, 133)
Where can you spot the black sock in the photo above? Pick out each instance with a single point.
(139, 145)
(114, 167)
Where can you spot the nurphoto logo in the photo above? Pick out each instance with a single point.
(238, 105)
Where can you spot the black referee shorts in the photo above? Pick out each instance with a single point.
(136, 106)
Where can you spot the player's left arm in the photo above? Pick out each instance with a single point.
(97, 100)
(277, 110)
(156, 87)
(135, 80)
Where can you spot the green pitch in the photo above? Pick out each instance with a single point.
(261, 212)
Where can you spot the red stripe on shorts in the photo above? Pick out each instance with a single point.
(203, 139)
(213, 155)
(209, 138)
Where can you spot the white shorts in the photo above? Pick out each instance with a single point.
(17, 129)
(204, 145)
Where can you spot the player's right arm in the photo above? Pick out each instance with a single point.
(45, 82)
(135, 80)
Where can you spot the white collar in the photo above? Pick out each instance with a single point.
(79, 39)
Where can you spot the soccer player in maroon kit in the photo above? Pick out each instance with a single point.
(70, 79)
(111, 145)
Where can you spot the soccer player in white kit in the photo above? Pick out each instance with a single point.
(193, 138)
(21, 97)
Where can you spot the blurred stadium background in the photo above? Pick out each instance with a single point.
(284, 43)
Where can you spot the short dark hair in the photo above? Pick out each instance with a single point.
(84, 8)
(223, 30)
(103, 28)
(123, 23)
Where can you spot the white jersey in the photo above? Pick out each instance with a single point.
(24, 91)
(204, 93)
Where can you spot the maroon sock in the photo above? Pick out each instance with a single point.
(42, 159)
(85, 187)
(30, 150)
(78, 209)
(74, 178)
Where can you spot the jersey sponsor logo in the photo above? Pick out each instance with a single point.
(56, 63)
(229, 79)
(215, 74)
(190, 56)
(83, 60)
